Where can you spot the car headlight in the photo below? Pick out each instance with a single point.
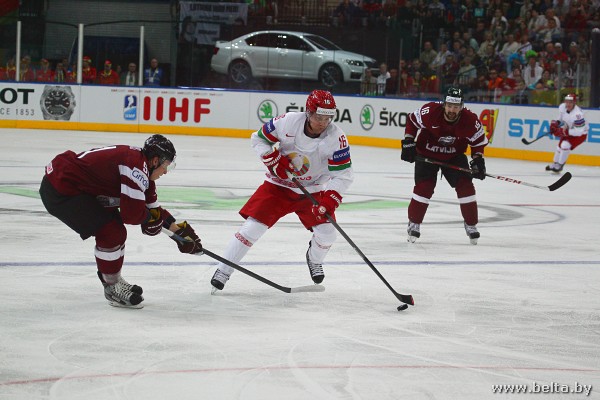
(354, 63)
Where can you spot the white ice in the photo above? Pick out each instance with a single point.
(520, 308)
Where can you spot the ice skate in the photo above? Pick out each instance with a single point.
(554, 167)
(316, 270)
(472, 233)
(121, 295)
(133, 288)
(218, 280)
(414, 232)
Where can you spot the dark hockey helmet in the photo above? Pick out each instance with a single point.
(454, 95)
(158, 145)
(321, 102)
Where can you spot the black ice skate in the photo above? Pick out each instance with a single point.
(218, 280)
(472, 233)
(414, 232)
(316, 270)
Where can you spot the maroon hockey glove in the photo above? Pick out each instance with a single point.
(558, 129)
(409, 150)
(277, 164)
(328, 202)
(159, 217)
(192, 245)
(478, 166)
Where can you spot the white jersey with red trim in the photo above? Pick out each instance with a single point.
(323, 163)
(574, 120)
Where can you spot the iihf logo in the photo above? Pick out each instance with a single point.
(130, 107)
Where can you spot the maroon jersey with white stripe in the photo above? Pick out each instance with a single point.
(443, 140)
(119, 173)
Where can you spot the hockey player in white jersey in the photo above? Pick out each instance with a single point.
(314, 149)
(571, 128)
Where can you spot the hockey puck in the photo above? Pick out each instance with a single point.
(402, 307)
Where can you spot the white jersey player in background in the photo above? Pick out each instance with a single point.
(571, 128)
(314, 149)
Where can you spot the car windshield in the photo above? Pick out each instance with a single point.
(321, 43)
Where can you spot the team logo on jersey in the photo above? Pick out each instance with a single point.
(300, 162)
(367, 117)
(267, 110)
(130, 107)
(446, 140)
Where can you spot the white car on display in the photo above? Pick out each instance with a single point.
(283, 54)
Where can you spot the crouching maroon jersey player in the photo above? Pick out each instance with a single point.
(443, 131)
(97, 191)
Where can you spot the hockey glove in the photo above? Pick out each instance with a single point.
(328, 202)
(478, 166)
(558, 129)
(277, 164)
(158, 218)
(409, 150)
(192, 245)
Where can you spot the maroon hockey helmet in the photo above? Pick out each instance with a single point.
(571, 97)
(321, 102)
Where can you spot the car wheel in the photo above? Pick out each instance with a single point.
(330, 75)
(240, 72)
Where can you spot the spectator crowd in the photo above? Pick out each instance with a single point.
(63, 72)
(494, 50)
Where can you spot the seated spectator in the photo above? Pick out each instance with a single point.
(153, 76)
(509, 47)
(88, 73)
(391, 85)
(44, 74)
(61, 73)
(467, 74)
(440, 57)
(405, 85)
(428, 54)
(545, 82)
(130, 78)
(368, 83)
(551, 33)
(26, 73)
(449, 71)
(346, 12)
(108, 76)
(532, 73)
(9, 72)
(382, 78)
(559, 54)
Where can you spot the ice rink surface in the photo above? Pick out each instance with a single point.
(520, 308)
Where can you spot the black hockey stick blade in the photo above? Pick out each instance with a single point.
(297, 289)
(560, 182)
(405, 298)
(525, 141)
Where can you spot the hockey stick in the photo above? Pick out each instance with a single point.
(405, 298)
(525, 141)
(298, 289)
(556, 185)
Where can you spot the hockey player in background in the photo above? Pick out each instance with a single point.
(571, 128)
(443, 131)
(309, 145)
(97, 191)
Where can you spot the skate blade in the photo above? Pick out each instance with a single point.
(214, 290)
(474, 241)
(119, 305)
(411, 239)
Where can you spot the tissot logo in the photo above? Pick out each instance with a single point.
(367, 117)
(10, 95)
(267, 109)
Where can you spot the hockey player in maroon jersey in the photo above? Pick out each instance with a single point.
(97, 191)
(443, 131)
